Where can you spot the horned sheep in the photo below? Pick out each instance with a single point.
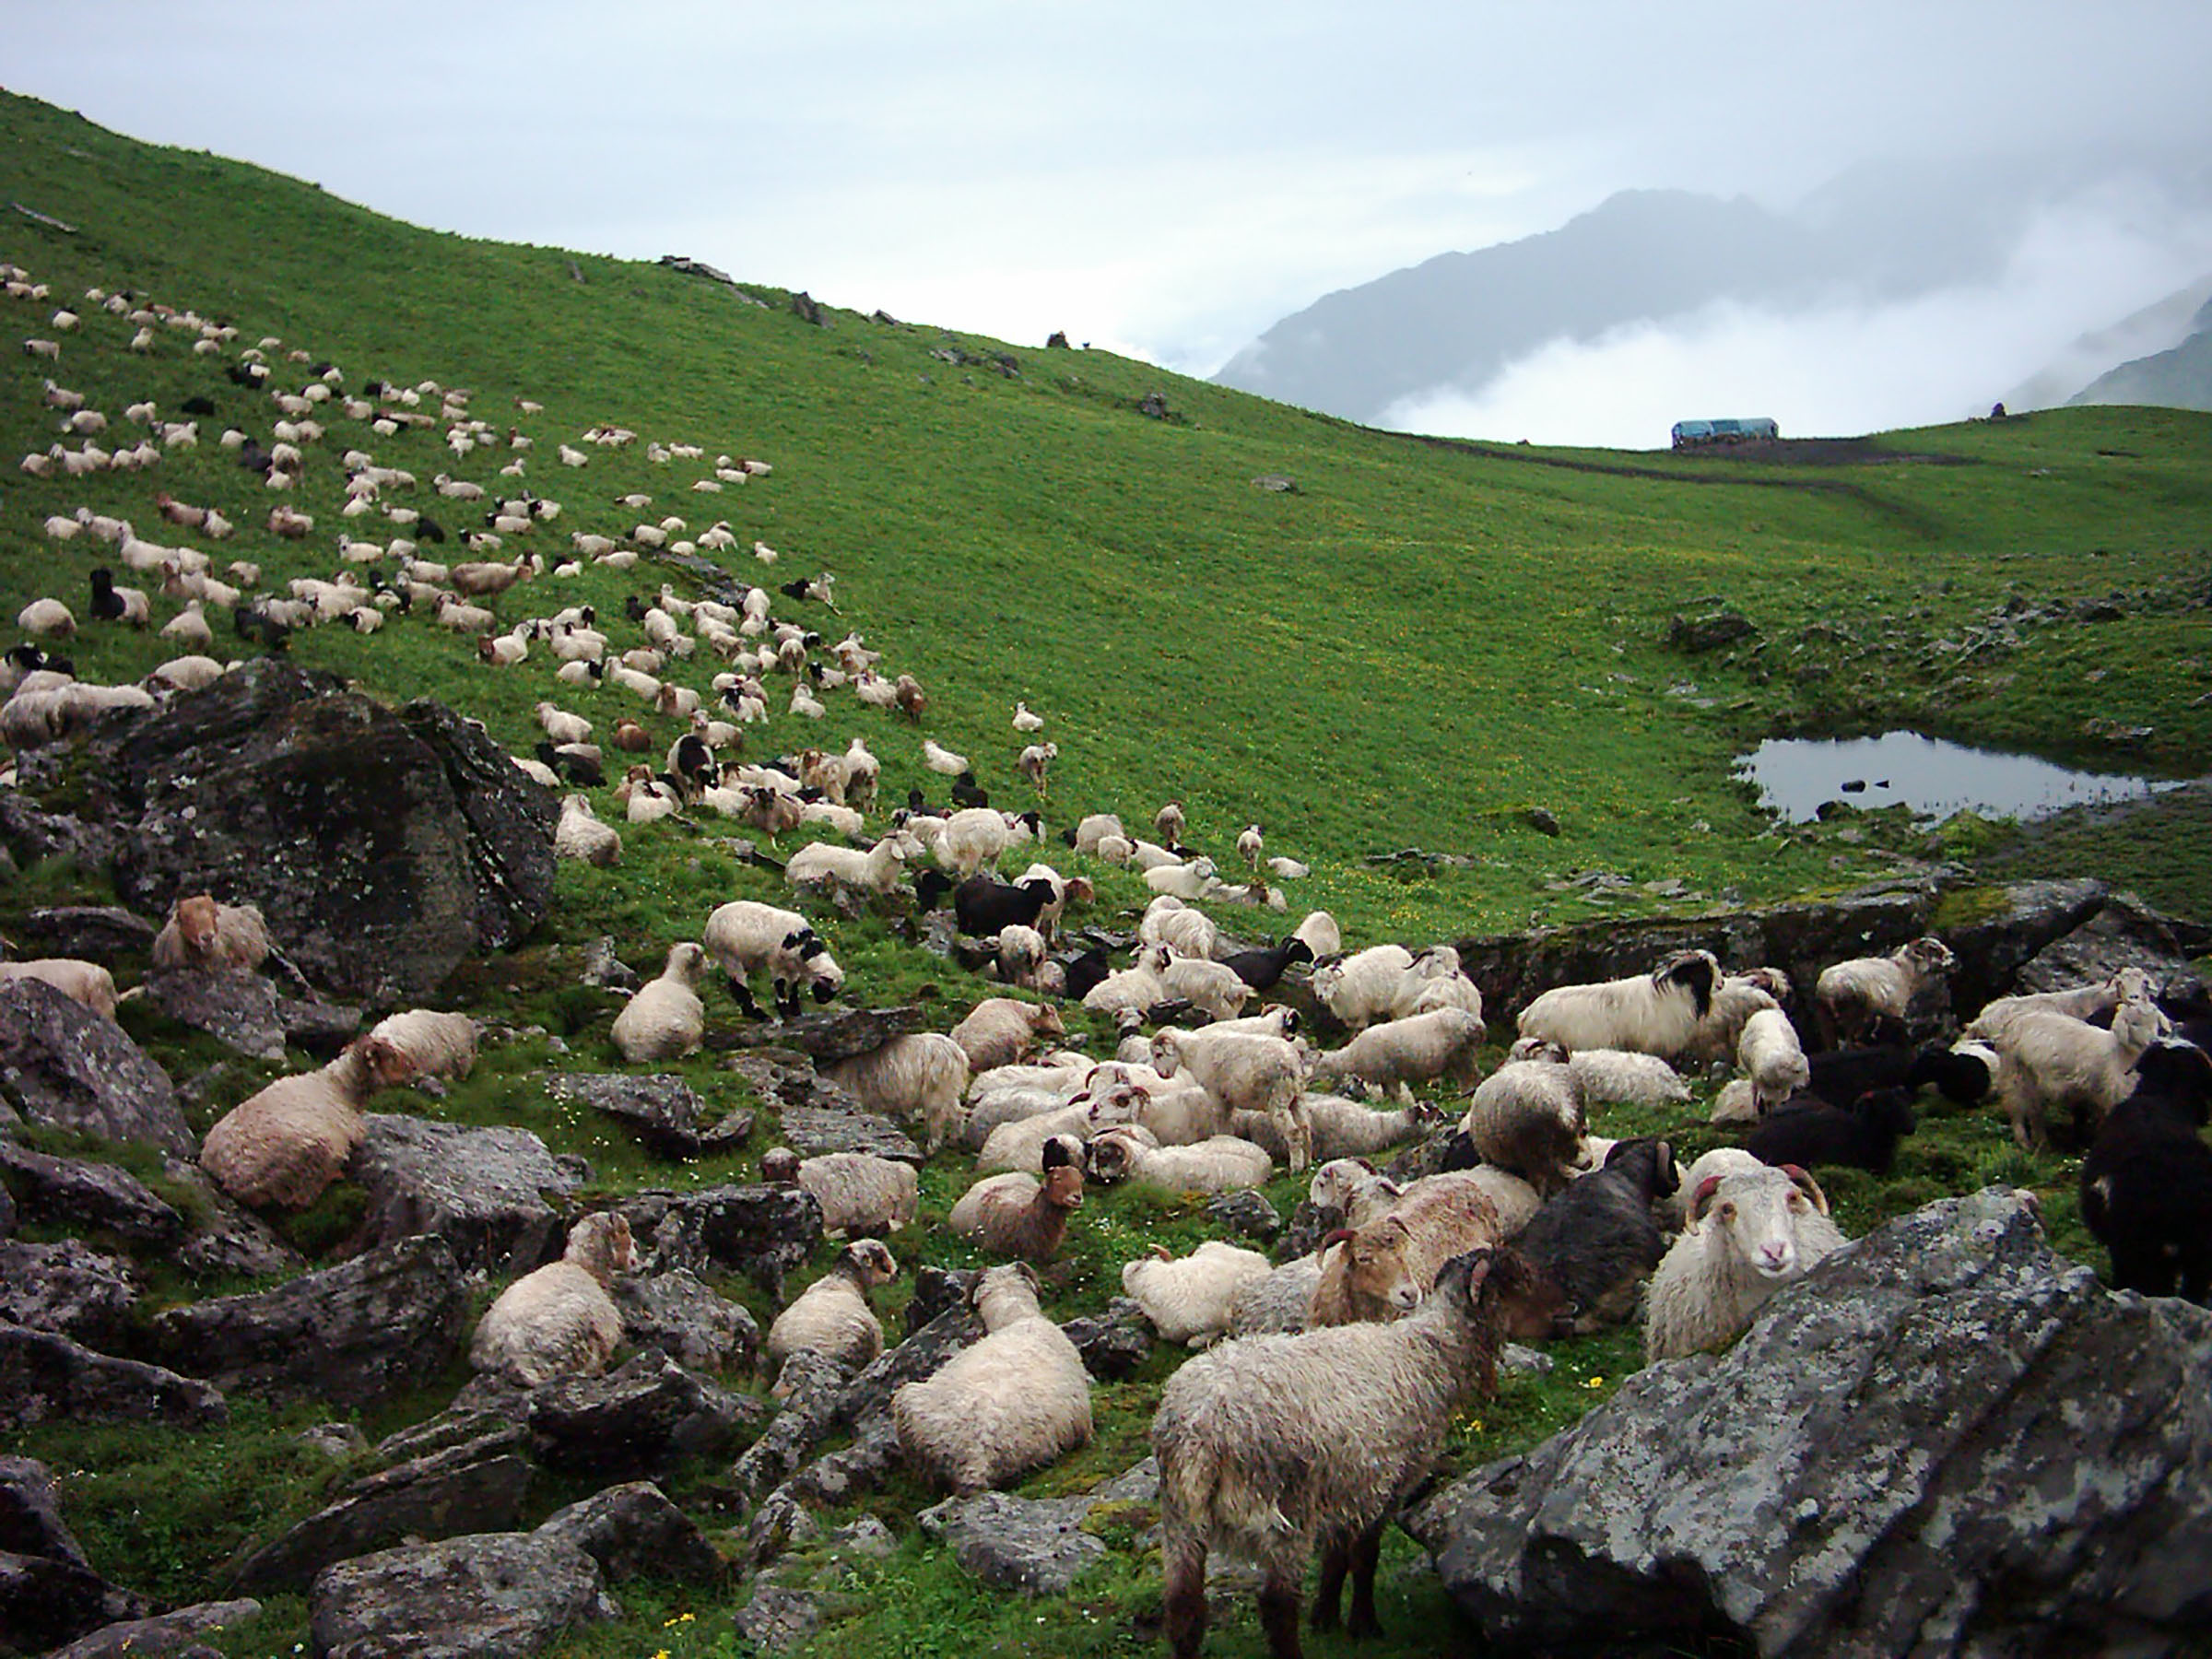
(1748, 1236)
(1849, 997)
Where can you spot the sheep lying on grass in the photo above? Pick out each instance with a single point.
(559, 1320)
(831, 1316)
(1018, 1215)
(665, 1020)
(859, 1192)
(1272, 1446)
(1188, 1298)
(1010, 1403)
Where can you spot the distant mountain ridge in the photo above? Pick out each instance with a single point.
(2178, 378)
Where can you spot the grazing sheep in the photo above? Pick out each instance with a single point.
(1382, 1268)
(2147, 1184)
(664, 1019)
(580, 834)
(81, 981)
(919, 1077)
(1527, 1118)
(559, 1320)
(1215, 991)
(1810, 1132)
(745, 937)
(1418, 1049)
(1010, 1403)
(203, 934)
(1772, 1057)
(1035, 762)
(436, 1046)
(1650, 1014)
(1188, 1300)
(1614, 1076)
(1222, 1163)
(1849, 997)
(284, 1145)
(859, 1192)
(1000, 1031)
(2053, 1061)
(831, 1316)
(1748, 1236)
(976, 836)
(2083, 1002)
(1269, 1446)
(1321, 933)
(1599, 1239)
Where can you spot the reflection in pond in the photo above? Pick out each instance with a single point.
(1796, 775)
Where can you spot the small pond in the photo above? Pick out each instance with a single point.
(1935, 779)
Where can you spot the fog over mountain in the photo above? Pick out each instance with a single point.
(1896, 294)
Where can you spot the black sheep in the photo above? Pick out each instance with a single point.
(1084, 972)
(580, 763)
(251, 622)
(197, 406)
(965, 792)
(1864, 1134)
(428, 529)
(1846, 1074)
(696, 768)
(255, 458)
(1261, 969)
(107, 603)
(1599, 1239)
(2146, 1182)
(984, 905)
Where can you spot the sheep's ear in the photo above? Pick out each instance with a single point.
(1336, 1235)
(1162, 1252)
(1364, 1164)
(1807, 1186)
(1392, 1187)
(1703, 1196)
(1029, 1274)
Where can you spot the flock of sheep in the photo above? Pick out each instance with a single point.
(1326, 1383)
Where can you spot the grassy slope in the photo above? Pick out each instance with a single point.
(1420, 643)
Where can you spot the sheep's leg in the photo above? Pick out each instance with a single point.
(1184, 1595)
(1366, 1550)
(1335, 1561)
(1278, 1618)
(742, 994)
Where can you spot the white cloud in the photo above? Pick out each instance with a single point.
(1844, 368)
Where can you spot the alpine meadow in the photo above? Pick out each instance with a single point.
(1463, 682)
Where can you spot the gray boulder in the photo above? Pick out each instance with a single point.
(87, 1196)
(44, 1601)
(1947, 1440)
(246, 1012)
(762, 1231)
(227, 1238)
(490, 1596)
(483, 1191)
(1037, 1546)
(44, 1376)
(352, 1335)
(2126, 934)
(676, 1312)
(69, 1287)
(637, 1421)
(30, 1513)
(92, 931)
(175, 1633)
(75, 1069)
(510, 818)
(815, 1130)
(479, 1487)
(664, 1111)
(634, 1531)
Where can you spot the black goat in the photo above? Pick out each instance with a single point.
(1598, 1239)
(1809, 1132)
(983, 905)
(1261, 969)
(2146, 1182)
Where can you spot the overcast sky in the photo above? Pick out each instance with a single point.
(1168, 179)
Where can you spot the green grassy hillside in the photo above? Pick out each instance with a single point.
(1412, 648)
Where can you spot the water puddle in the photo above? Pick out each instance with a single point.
(1797, 775)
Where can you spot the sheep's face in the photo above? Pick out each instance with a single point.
(1064, 1187)
(1930, 955)
(872, 1262)
(1376, 1268)
(1760, 1214)
(1537, 1048)
(600, 1245)
(197, 921)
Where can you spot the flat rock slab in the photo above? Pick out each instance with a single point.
(762, 1231)
(174, 1632)
(92, 933)
(633, 1531)
(69, 1287)
(827, 1037)
(468, 1489)
(75, 1069)
(1947, 1439)
(45, 1376)
(485, 1192)
(246, 1012)
(490, 1596)
(663, 1110)
(811, 1131)
(87, 1196)
(1036, 1546)
(352, 1335)
(639, 1420)
(677, 1313)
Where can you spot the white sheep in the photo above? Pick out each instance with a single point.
(1398, 1052)
(1245, 1072)
(941, 760)
(1387, 981)
(1214, 989)
(831, 1316)
(1093, 827)
(1851, 997)
(580, 834)
(2049, 1062)
(666, 1020)
(81, 981)
(1169, 920)
(1137, 987)
(1614, 1076)
(203, 934)
(1223, 1163)
(436, 1045)
(999, 1030)
(1527, 1117)
(2083, 1002)
(1010, 1403)
(559, 1320)
(1654, 1012)
(976, 836)
(1320, 931)
(1772, 1057)
(287, 1144)
(1187, 881)
(1188, 1298)
(1749, 1235)
(1735, 1000)
(48, 618)
(917, 1077)
(1721, 1161)
(824, 865)
(1269, 1445)
(859, 1192)
(561, 726)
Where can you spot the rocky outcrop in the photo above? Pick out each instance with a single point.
(637, 1420)
(382, 848)
(677, 1313)
(176, 1633)
(1036, 1546)
(483, 1191)
(633, 1531)
(762, 1231)
(68, 1288)
(351, 1334)
(664, 1111)
(45, 1376)
(248, 1013)
(1947, 1440)
(87, 1196)
(490, 1596)
(63, 1064)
